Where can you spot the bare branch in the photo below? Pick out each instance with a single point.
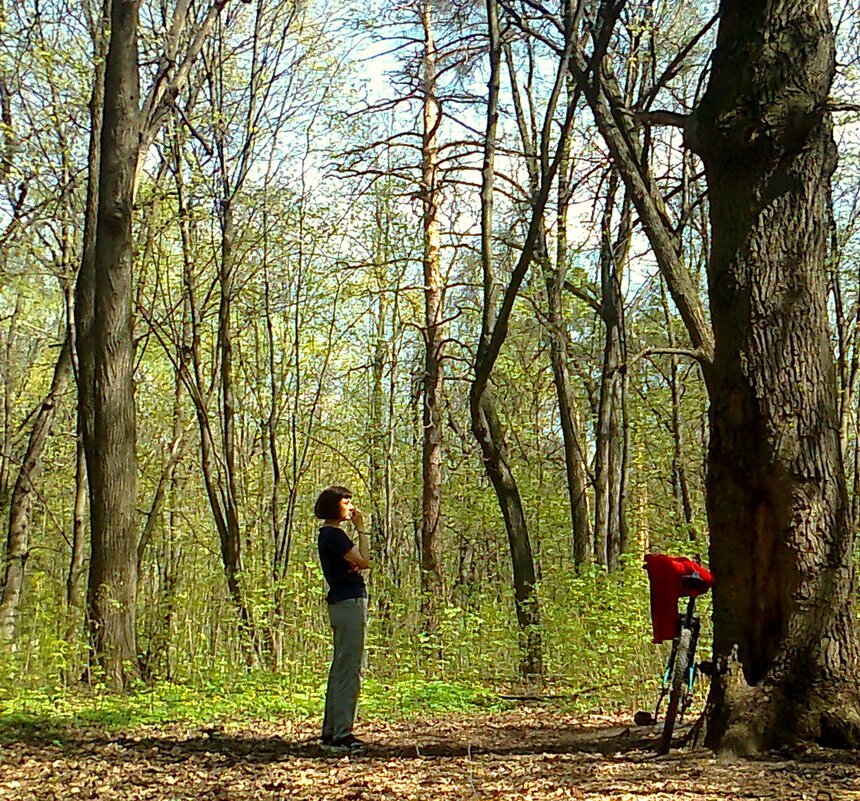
(842, 107)
(659, 118)
(696, 354)
(674, 66)
(172, 78)
(584, 296)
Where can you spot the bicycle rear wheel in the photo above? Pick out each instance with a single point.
(680, 673)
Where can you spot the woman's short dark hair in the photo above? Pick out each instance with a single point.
(327, 506)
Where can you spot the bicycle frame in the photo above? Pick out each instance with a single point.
(691, 621)
(671, 578)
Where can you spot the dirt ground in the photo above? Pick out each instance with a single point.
(522, 754)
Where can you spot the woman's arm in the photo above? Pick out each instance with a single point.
(359, 555)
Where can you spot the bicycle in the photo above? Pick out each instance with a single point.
(679, 676)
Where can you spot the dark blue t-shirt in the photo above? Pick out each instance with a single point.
(343, 580)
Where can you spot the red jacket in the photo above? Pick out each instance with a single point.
(665, 574)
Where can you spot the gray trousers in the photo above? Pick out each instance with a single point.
(348, 623)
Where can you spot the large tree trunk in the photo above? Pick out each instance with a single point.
(84, 315)
(431, 440)
(110, 442)
(782, 539)
(21, 504)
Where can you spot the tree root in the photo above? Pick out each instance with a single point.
(753, 720)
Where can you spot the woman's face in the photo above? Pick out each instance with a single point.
(346, 509)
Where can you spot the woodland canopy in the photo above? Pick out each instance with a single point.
(549, 286)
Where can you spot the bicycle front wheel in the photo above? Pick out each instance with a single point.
(676, 691)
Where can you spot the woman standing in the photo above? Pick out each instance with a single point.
(342, 562)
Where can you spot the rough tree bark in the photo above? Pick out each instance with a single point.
(107, 349)
(82, 332)
(123, 132)
(781, 529)
(782, 538)
(85, 284)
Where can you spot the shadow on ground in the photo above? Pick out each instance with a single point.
(521, 754)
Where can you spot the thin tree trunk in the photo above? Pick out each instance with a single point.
(848, 363)
(85, 286)
(617, 129)
(610, 489)
(574, 456)
(231, 540)
(574, 461)
(20, 507)
(494, 327)
(74, 600)
(386, 529)
(8, 390)
(643, 533)
(432, 584)
(76, 560)
(485, 424)
(382, 416)
(84, 307)
(378, 408)
(171, 459)
(171, 574)
(680, 482)
(220, 483)
(488, 431)
(535, 146)
(379, 431)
